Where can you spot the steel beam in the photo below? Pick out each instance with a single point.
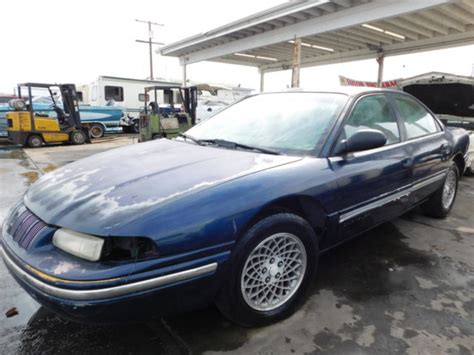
(427, 44)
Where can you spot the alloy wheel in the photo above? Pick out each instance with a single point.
(449, 189)
(273, 271)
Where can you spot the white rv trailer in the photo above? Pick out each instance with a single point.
(125, 92)
(129, 94)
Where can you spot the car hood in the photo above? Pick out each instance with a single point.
(105, 191)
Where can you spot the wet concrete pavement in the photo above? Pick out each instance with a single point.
(404, 287)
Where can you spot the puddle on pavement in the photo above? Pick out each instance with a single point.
(47, 333)
(15, 153)
(207, 330)
(11, 153)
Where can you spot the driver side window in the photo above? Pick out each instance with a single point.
(373, 112)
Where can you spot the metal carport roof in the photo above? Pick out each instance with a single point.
(331, 31)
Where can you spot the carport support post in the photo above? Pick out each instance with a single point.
(380, 59)
(262, 79)
(184, 74)
(295, 74)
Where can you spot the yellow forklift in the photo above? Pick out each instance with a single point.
(32, 124)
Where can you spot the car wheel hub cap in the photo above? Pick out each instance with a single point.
(273, 271)
(449, 189)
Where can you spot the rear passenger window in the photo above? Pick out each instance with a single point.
(373, 112)
(418, 121)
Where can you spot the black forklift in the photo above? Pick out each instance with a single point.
(161, 118)
(34, 123)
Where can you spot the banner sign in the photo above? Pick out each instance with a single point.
(345, 81)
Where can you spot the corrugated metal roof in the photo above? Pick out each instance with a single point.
(332, 31)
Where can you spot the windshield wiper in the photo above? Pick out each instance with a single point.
(186, 136)
(233, 145)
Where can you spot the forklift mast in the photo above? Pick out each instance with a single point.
(190, 102)
(71, 103)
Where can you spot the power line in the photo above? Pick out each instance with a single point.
(150, 42)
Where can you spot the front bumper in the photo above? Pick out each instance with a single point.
(135, 301)
(107, 292)
(150, 297)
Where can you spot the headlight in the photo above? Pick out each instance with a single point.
(81, 245)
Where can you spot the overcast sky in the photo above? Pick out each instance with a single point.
(64, 41)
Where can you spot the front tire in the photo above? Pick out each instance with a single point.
(77, 137)
(271, 270)
(439, 205)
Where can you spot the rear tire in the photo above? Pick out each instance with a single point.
(96, 131)
(34, 141)
(439, 205)
(271, 270)
(77, 137)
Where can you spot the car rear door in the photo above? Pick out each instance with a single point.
(427, 144)
(371, 183)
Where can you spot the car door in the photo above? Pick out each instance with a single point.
(427, 143)
(370, 183)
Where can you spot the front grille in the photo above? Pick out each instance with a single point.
(25, 226)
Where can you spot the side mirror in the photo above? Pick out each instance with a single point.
(364, 139)
(209, 109)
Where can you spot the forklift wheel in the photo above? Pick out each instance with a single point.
(34, 141)
(78, 137)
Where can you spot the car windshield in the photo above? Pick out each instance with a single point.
(292, 123)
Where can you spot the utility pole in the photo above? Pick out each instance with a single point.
(150, 42)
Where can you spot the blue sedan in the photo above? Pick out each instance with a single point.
(235, 211)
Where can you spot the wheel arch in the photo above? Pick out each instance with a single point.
(304, 206)
(461, 164)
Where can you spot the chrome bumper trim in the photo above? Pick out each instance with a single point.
(108, 292)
